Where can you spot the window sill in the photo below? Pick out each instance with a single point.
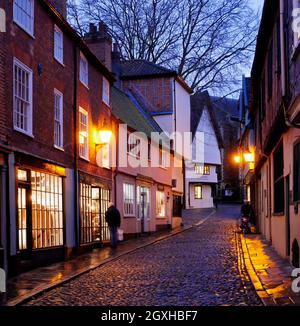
(107, 104)
(29, 33)
(84, 84)
(29, 134)
(129, 216)
(59, 148)
(161, 217)
(61, 63)
(278, 214)
(84, 159)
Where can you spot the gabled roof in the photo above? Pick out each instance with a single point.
(142, 69)
(227, 105)
(200, 101)
(127, 109)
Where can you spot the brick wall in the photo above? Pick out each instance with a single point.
(49, 74)
(158, 92)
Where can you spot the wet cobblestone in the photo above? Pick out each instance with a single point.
(200, 267)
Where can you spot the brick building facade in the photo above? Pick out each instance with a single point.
(275, 114)
(56, 99)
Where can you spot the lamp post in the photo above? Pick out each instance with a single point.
(242, 158)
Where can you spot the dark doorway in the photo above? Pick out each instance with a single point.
(295, 254)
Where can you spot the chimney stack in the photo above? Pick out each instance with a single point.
(60, 6)
(100, 42)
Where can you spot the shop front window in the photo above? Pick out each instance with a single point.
(47, 210)
(93, 203)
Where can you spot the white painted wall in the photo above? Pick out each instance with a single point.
(205, 144)
(205, 202)
(183, 113)
(165, 122)
(205, 150)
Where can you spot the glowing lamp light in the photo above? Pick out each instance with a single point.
(237, 159)
(102, 137)
(249, 157)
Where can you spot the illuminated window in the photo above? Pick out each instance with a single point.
(198, 192)
(83, 134)
(58, 119)
(58, 45)
(86, 226)
(160, 204)
(22, 218)
(201, 169)
(84, 70)
(24, 14)
(128, 194)
(22, 175)
(22, 97)
(47, 210)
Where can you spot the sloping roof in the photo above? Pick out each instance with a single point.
(199, 101)
(129, 111)
(227, 105)
(92, 58)
(143, 68)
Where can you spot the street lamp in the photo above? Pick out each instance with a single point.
(102, 137)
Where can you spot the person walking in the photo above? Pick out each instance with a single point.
(113, 219)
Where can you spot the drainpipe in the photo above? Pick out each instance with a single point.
(282, 47)
(76, 211)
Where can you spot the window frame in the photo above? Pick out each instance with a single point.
(105, 89)
(132, 199)
(278, 181)
(23, 27)
(58, 93)
(296, 172)
(58, 30)
(160, 192)
(22, 66)
(201, 192)
(83, 75)
(203, 169)
(82, 111)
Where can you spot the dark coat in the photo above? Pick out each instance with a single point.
(113, 217)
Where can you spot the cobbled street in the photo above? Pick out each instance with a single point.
(199, 267)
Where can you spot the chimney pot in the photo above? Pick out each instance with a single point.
(93, 28)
